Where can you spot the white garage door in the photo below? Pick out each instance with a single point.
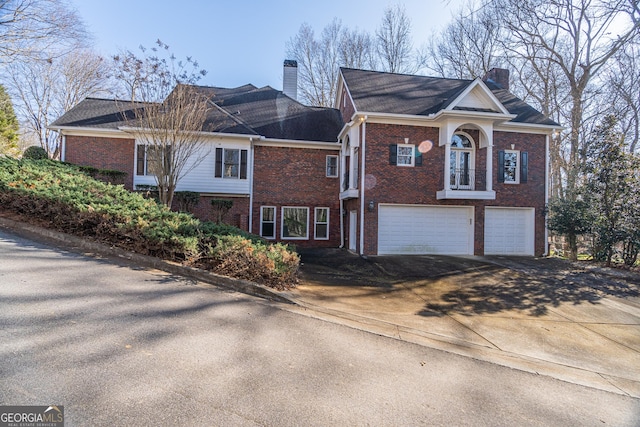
(407, 229)
(509, 231)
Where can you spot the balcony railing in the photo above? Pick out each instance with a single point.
(463, 179)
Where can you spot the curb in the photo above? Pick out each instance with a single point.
(239, 285)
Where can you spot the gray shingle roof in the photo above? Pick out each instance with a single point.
(380, 92)
(246, 110)
(98, 113)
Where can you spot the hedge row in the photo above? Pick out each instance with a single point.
(68, 200)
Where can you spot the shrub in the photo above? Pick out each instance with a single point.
(186, 200)
(65, 198)
(272, 264)
(220, 208)
(35, 153)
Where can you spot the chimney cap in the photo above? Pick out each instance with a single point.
(290, 63)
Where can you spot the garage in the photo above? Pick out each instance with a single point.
(418, 229)
(509, 231)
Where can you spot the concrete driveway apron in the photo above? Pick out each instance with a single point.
(571, 321)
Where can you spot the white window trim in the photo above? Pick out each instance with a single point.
(275, 213)
(282, 236)
(517, 153)
(315, 223)
(413, 155)
(327, 167)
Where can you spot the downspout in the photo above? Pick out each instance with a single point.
(546, 196)
(63, 148)
(341, 223)
(251, 186)
(362, 174)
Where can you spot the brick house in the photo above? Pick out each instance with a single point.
(441, 166)
(403, 164)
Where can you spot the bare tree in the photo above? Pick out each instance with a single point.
(45, 89)
(34, 28)
(357, 50)
(318, 62)
(171, 123)
(394, 46)
(468, 47)
(579, 37)
(624, 78)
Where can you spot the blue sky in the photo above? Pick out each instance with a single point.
(240, 41)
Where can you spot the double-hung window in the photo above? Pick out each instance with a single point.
(268, 222)
(404, 155)
(332, 167)
(512, 166)
(231, 163)
(321, 226)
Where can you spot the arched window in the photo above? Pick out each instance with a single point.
(461, 162)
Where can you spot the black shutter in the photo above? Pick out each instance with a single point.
(524, 166)
(418, 156)
(218, 171)
(140, 160)
(243, 164)
(393, 154)
(501, 166)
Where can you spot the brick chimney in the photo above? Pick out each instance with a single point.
(290, 79)
(499, 76)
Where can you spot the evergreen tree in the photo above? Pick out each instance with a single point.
(8, 125)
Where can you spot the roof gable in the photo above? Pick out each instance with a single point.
(477, 97)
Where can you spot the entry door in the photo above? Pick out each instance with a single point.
(353, 228)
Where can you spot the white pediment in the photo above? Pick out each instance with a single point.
(477, 96)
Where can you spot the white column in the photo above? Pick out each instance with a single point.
(489, 164)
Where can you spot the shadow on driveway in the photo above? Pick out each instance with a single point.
(466, 285)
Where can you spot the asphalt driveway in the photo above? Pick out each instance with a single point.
(572, 321)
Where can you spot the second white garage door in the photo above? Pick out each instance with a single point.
(509, 231)
(411, 229)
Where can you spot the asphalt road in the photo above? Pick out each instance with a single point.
(118, 345)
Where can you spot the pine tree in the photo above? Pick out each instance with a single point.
(8, 125)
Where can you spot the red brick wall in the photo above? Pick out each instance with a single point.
(526, 194)
(238, 216)
(296, 177)
(346, 107)
(102, 153)
(419, 184)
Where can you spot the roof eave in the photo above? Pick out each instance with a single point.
(88, 131)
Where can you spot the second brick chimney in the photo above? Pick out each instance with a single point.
(499, 76)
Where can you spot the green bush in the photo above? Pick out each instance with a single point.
(35, 153)
(68, 200)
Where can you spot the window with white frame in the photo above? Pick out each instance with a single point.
(405, 154)
(321, 224)
(512, 166)
(332, 167)
(268, 222)
(511, 170)
(461, 162)
(295, 223)
(231, 163)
